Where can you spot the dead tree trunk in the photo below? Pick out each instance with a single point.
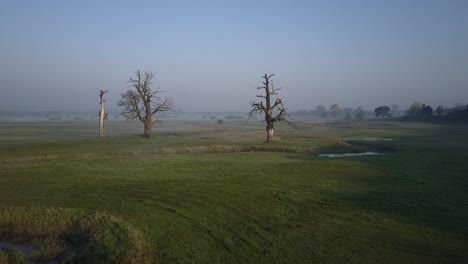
(102, 114)
(269, 112)
(148, 127)
(268, 109)
(148, 121)
(270, 131)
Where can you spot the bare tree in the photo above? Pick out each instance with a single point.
(359, 113)
(102, 114)
(383, 111)
(440, 110)
(275, 112)
(395, 110)
(321, 111)
(142, 102)
(335, 110)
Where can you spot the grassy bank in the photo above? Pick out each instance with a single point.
(73, 236)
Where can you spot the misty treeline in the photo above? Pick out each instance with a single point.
(423, 112)
(335, 112)
(416, 112)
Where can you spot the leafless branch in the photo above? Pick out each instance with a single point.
(142, 102)
(275, 112)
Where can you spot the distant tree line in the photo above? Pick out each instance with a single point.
(334, 112)
(416, 112)
(423, 112)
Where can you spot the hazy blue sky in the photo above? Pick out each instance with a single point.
(209, 55)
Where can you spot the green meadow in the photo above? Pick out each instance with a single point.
(202, 192)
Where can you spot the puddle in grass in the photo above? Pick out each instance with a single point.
(26, 249)
(378, 139)
(349, 154)
(18, 247)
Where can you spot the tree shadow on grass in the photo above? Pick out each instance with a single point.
(422, 180)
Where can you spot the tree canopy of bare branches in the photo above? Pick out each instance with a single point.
(142, 102)
(274, 112)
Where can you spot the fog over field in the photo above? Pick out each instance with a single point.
(209, 55)
(206, 131)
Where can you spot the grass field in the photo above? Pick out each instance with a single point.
(199, 192)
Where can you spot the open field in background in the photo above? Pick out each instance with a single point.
(200, 192)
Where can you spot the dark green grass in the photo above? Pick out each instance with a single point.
(208, 203)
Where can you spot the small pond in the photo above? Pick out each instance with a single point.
(331, 155)
(26, 249)
(378, 139)
(18, 247)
